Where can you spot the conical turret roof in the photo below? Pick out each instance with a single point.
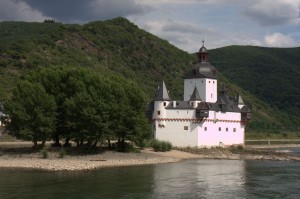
(162, 93)
(195, 96)
(240, 100)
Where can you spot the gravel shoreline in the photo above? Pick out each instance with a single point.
(147, 156)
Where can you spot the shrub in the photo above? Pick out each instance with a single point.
(62, 153)
(240, 147)
(45, 154)
(161, 146)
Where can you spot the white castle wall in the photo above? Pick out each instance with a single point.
(174, 131)
(180, 132)
(206, 87)
(231, 130)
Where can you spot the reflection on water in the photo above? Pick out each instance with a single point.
(188, 179)
(202, 178)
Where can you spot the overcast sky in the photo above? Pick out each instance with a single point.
(184, 23)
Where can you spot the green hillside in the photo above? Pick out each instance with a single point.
(118, 46)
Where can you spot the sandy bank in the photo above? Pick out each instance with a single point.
(115, 159)
(89, 162)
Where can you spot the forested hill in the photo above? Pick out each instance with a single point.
(119, 46)
(271, 74)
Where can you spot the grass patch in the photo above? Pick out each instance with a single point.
(44, 153)
(62, 153)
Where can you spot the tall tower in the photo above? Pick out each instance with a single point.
(203, 76)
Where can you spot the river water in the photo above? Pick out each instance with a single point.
(187, 179)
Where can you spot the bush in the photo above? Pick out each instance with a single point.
(45, 154)
(162, 146)
(62, 153)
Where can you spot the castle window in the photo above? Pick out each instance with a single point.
(192, 103)
(219, 128)
(165, 103)
(214, 82)
(208, 81)
(202, 81)
(211, 95)
(234, 129)
(226, 129)
(158, 112)
(186, 128)
(205, 128)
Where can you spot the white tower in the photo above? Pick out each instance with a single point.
(161, 100)
(204, 77)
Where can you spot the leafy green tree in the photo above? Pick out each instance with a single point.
(32, 113)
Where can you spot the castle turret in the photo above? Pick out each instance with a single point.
(161, 101)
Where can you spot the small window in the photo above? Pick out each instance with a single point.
(234, 129)
(165, 103)
(220, 129)
(205, 128)
(186, 128)
(208, 81)
(198, 103)
(192, 103)
(226, 129)
(158, 112)
(211, 95)
(214, 82)
(202, 81)
(177, 103)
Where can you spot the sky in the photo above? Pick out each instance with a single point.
(184, 23)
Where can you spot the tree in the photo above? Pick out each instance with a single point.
(32, 113)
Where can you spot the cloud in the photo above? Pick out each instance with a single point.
(185, 27)
(274, 12)
(13, 10)
(88, 10)
(280, 40)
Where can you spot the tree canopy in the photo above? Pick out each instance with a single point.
(65, 103)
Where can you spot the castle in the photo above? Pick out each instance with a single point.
(205, 117)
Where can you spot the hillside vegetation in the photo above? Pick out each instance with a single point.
(118, 46)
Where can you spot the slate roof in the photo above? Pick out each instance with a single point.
(195, 96)
(162, 93)
(179, 105)
(202, 70)
(240, 100)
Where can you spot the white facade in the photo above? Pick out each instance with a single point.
(182, 129)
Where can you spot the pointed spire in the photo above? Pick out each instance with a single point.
(240, 100)
(203, 53)
(195, 96)
(162, 92)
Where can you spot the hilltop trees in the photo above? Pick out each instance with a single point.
(82, 106)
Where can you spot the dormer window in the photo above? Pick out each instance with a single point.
(165, 103)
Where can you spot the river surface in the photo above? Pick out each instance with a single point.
(187, 179)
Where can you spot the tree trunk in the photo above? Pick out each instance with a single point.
(43, 143)
(95, 143)
(67, 142)
(35, 144)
